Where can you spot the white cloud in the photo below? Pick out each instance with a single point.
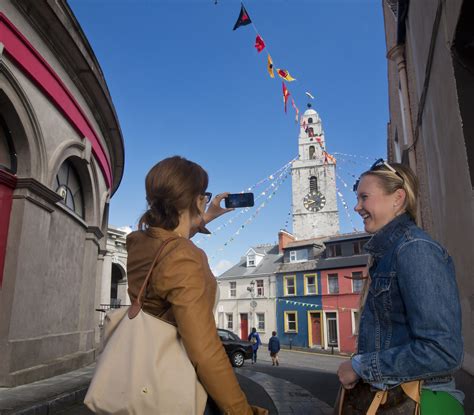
(222, 266)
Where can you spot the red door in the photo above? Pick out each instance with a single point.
(315, 329)
(244, 326)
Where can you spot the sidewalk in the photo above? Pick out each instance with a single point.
(56, 394)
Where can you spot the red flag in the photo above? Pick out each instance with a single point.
(244, 18)
(297, 111)
(259, 44)
(286, 94)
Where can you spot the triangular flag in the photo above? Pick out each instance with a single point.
(259, 44)
(296, 109)
(286, 94)
(244, 18)
(284, 74)
(270, 66)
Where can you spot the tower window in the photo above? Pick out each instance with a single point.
(311, 152)
(310, 132)
(68, 186)
(310, 120)
(313, 184)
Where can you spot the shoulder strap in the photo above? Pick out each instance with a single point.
(137, 303)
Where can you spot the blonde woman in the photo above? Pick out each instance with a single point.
(410, 326)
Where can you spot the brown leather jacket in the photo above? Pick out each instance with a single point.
(182, 290)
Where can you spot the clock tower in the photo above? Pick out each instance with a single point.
(313, 175)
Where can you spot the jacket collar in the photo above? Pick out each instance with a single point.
(384, 237)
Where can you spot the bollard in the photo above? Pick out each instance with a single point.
(332, 349)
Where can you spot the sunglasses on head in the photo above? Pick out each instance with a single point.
(379, 163)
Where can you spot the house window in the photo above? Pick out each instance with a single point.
(357, 282)
(251, 260)
(260, 288)
(331, 324)
(357, 247)
(355, 322)
(290, 285)
(299, 255)
(68, 186)
(232, 289)
(229, 317)
(261, 321)
(310, 284)
(291, 322)
(334, 250)
(333, 284)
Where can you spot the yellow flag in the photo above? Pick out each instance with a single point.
(284, 74)
(270, 66)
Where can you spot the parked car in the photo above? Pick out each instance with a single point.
(238, 350)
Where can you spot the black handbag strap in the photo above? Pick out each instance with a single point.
(137, 303)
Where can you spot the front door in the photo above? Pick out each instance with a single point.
(316, 337)
(244, 326)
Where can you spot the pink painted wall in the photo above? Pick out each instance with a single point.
(343, 303)
(7, 184)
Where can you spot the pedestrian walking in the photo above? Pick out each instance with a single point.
(274, 348)
(410, 325)
(254, 338)
(182, 289)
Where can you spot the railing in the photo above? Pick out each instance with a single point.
(103, 308)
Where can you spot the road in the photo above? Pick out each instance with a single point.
(313, 374)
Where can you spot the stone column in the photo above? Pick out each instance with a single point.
(106, 282)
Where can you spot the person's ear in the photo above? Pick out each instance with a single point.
(400, 197)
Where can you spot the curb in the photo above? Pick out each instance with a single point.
(51, 405)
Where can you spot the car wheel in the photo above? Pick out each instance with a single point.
(237, 359)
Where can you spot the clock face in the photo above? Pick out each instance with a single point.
(314, 201)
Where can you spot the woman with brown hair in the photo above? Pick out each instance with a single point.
(410, 324)
(182, 289)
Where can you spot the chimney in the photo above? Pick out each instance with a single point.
(284, 238)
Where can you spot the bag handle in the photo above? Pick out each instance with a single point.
(137, 303)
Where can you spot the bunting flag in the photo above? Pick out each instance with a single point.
(244, 18)
(259, 44)
(286, 94)
(297, 111)
(270, 66)
(284, 74)
(309, 95)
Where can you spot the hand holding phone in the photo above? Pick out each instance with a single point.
(239, 200)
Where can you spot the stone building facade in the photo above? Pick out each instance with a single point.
(430, 51)
(61, 160)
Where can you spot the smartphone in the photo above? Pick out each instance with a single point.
(239, 200)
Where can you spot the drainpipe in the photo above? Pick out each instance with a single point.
(397, 55)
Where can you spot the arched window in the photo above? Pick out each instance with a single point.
(7, 150)
(310, 131)
(311, 152)
(313, 184)
(68, 186)
(310, 120)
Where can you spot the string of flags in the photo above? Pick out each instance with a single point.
(253, 216)
(244, 20)
(276, 179)
(311, 305)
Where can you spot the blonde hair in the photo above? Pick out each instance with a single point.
(404, 179)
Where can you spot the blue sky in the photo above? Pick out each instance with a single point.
(184, 83)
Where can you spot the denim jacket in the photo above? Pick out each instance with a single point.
(410, 327)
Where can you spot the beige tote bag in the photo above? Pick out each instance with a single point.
(144, 368)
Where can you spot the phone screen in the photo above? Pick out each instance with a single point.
(238, 200)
